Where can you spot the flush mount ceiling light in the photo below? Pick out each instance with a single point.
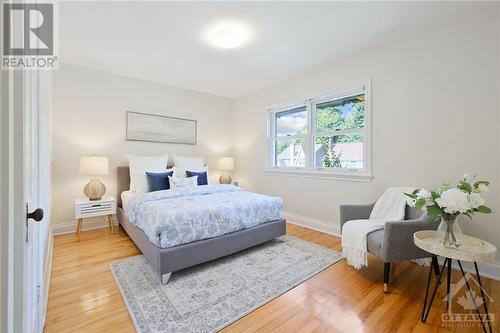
(227, 34)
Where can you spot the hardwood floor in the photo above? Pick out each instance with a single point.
(83, 296)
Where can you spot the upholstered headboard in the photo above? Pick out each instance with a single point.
(122, 183)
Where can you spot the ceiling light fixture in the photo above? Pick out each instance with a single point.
(227, 34)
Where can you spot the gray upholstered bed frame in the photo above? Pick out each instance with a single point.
(169, 260)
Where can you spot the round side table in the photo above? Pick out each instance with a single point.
(471, 249)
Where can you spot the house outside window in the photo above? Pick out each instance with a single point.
(327, 136)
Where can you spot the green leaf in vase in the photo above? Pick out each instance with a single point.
(434, 210)
(483, 209)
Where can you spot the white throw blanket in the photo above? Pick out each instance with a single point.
(390, 207)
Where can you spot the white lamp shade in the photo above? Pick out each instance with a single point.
(94, 165)
(225, 163)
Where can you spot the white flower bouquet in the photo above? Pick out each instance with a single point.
(448, 202)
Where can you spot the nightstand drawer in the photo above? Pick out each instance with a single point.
(92, 209)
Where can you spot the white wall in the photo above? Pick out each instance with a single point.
(89, 118)
(435, 116)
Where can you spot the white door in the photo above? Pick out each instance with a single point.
(33, 247)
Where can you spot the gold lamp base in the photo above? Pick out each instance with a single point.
(95, 189)
(225, 179)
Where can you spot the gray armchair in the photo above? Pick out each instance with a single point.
(395, 241)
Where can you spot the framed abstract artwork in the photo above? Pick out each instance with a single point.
(157, 128)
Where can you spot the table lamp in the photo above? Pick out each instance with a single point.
(94, 166)
(225, 164)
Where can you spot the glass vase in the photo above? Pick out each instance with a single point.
(447, 232)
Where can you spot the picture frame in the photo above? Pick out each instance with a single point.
(150, 127)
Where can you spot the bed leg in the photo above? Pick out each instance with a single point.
(165, 278)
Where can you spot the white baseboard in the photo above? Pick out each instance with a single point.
(486, 269)
(88, 224)
(314, 224)
(47, 270)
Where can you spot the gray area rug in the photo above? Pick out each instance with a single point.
(208, 297)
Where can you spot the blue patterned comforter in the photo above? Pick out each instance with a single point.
(180, 216)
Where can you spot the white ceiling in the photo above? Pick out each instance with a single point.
(162, 41)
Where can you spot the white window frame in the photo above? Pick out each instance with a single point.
(310, 170)
(272, 136)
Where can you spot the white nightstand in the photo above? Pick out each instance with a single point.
(86, 208)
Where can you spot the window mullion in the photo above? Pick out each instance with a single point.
(288, 137)
(341, 132)
(272, 137)
(310, 136)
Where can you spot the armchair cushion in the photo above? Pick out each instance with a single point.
(374, 241)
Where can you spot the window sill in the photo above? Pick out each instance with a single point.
(318, 174)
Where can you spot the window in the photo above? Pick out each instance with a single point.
(327, 136)
(290, 128)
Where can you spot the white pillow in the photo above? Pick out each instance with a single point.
(188, 162)
(176, 182)
(181, 172)
(139, 165)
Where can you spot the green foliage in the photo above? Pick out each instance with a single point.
(434, 210)
(419, 203)
(483, 209)
(465, 186)
(481, 182)
(435, 195)
(330, 118)
(281, 146)
(355, 120)
(332, 160)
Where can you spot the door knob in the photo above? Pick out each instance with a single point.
(36, 215)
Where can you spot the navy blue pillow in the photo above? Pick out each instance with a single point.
(202, 176)
(158, 181)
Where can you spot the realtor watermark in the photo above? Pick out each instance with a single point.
(29, 39)
(472, 304)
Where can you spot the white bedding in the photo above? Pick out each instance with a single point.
(126, 197)
(180, 216)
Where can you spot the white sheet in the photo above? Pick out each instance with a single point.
(126, 197)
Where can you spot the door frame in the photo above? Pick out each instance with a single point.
(12, 208)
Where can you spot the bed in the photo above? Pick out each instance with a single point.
(170, 259)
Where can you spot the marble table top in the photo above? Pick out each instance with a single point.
(471, 249)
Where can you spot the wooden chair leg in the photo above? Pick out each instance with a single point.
(111, 225)
(79, 229)
(387, 271)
